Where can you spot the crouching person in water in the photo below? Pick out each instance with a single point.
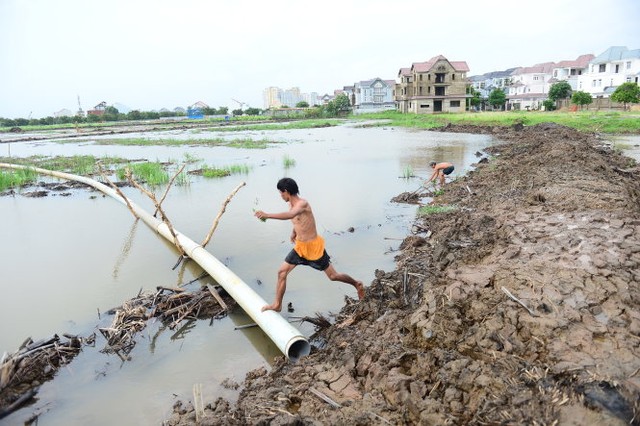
(309, 246)
(440, 170)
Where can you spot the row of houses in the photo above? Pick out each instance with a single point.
(441, 85)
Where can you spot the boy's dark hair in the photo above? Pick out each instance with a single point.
(289, 185)
(433, 163)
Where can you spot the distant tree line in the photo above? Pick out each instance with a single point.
(110, 114)
(339, 106)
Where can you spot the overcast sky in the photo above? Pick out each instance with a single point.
(153, 54)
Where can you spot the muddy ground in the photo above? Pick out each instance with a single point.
(522, 306)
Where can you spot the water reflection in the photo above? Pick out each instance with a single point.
(126, 248)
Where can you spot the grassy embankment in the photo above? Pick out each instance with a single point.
(609, 122)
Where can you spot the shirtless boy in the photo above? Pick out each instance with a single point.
(309, 246)
(440, 170)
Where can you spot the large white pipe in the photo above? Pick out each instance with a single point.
(286, 337)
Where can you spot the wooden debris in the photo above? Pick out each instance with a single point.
(34, 362)
(220, 213)
(215, 294)
(508, 293)
(325, 398)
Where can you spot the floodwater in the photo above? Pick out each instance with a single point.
(67, 260)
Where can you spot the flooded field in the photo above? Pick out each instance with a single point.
(66, 260)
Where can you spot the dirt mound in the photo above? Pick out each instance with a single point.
(521, 306)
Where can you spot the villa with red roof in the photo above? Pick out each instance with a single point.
(437, 85)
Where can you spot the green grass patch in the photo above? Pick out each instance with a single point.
(610, 122)
(249, 144)
(77, 164)
(431, 209)
(153, 173)
(218, 172)
(295, 124)
(11, 178)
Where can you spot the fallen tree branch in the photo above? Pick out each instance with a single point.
(222, 210)
(164, 217)
(168, 187)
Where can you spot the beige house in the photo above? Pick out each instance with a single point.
(437, 85)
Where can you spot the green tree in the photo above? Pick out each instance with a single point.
(497, 98)
(627, 93)
(549, 105)
(223, 110)
(302, 104)
(475, 97)
(581, 98)
(237, 112)
(252, 111)
(560, 90)
(134, 115)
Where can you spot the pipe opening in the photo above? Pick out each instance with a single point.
(298, 349)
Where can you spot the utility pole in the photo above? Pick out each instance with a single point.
(80, 111)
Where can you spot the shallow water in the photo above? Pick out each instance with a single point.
(67, 260)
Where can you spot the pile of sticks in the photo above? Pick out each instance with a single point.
(170, 305)
(32, 364)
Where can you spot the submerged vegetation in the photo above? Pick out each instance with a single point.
(288, 162)
(407, 172)
(246, 143)
(216, 172)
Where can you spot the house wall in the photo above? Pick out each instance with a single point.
(600, 76)
(441, 89)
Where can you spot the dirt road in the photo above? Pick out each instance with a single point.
(522, 306)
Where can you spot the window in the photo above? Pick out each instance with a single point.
(602, 68)
(593, 83)
(440, 91)
(535, 78)
(424, 105)
(453, 76)
(454, 104)
(617, 68)
(628, 65)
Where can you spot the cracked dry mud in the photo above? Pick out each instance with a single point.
(552, 220)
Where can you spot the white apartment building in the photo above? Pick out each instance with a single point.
(275, 97)
(570, 71)
(529, 86)
(610, 69)
(486, 83)
(271, 97)
(373, 95)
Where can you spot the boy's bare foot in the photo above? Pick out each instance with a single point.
(360, 287)
(273, 307)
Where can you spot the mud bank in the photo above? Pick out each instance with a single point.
(522, 306)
